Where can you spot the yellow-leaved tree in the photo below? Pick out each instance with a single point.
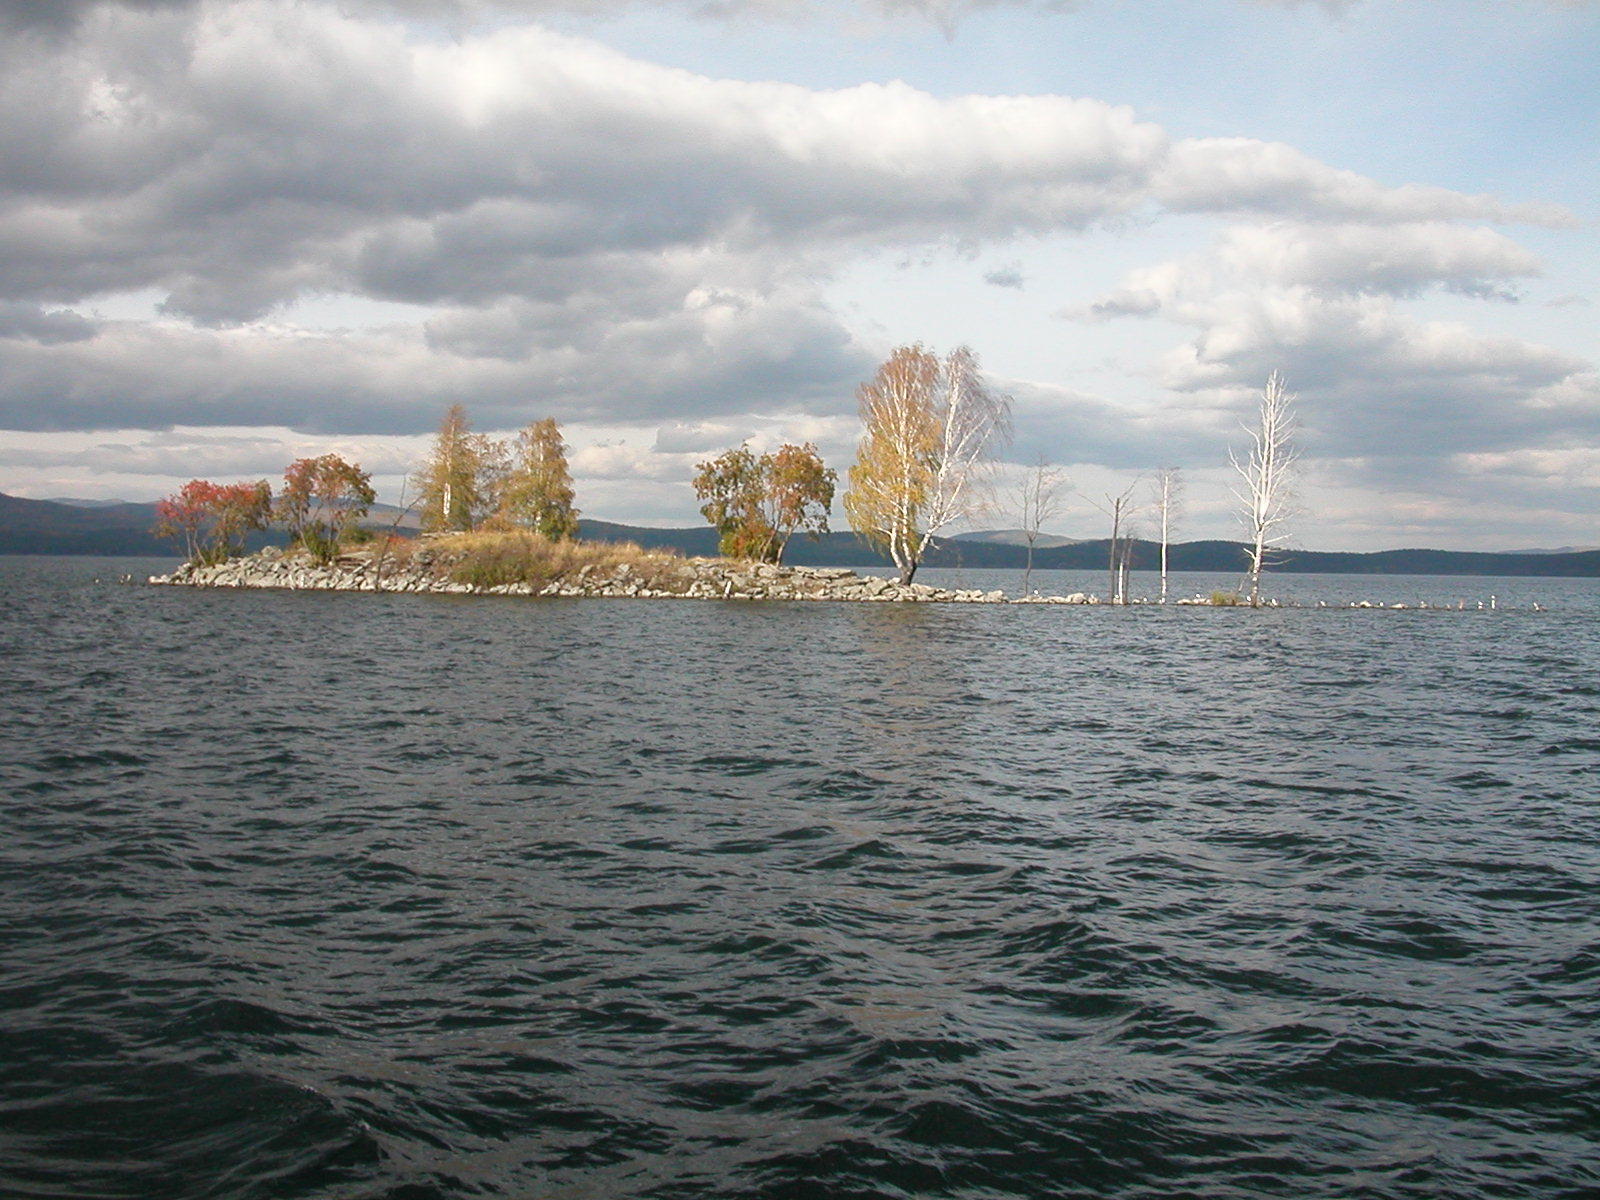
(459, 483)
(537, 493)
(931, 425)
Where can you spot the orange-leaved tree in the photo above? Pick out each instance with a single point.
(731, 487)
(321, 499)
(757, 503)
(799, 494)
(213, 519)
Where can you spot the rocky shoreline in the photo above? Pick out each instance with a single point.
(651, 576)
(685, 578)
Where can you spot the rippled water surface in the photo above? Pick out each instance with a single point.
(411, 897)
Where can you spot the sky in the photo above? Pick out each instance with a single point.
(238, 232)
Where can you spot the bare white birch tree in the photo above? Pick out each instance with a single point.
(1265, 492)
(1167, 496)
(923, 461)
(972, 420)
(1039, 499)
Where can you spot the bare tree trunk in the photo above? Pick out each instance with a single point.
(1163, 561)
(1117, 506)
(389, 536)
(1168, 490)
(1116, 526)
(1038, 501)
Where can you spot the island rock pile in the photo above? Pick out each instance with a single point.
(657, 577)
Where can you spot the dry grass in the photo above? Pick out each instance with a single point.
(494, 558)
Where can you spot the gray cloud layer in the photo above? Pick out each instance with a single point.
(602, 237)
(610, 241)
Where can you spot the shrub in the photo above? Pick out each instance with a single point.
(488, 558)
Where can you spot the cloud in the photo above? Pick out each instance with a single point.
(1008, 276)
(1065, 425)
(1332, 259)
(172, 454)
(1376, 382)
(607, 240)
(59, 15)
(524, 163)
(46, 327)
(713, 356)
(512, 163)
(1244, 175)
(1320, 302)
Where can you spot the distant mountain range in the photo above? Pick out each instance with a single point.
(114, 528)
(1015, 537)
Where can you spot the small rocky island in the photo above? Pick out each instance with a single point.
(441, 566)
(521, 563)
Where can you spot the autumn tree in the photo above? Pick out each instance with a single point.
(798, 495)
(757, 503)
(213, 519)
(930, 425)
(730, 488)
(321, 499)
(537, 493)
(459, 484)
(1266, 476)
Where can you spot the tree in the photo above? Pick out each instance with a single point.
(458, 485)
(1167, 496)
(799, 494)
(1120, 509)
(758, 503)
(213, 519)
(1039, 499)
(732, 487)
(537, 492)
(930, 425)
(321, 499)
(1266, 475)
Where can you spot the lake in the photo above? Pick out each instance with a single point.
(414, 897)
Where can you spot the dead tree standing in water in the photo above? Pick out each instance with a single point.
(1167, 493)
(1120, 508)
(1266, 475)
(1039, 500)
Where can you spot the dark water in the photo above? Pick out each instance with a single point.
(414, 897)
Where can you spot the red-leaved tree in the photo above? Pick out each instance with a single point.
(213, 519)
(321, 499)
